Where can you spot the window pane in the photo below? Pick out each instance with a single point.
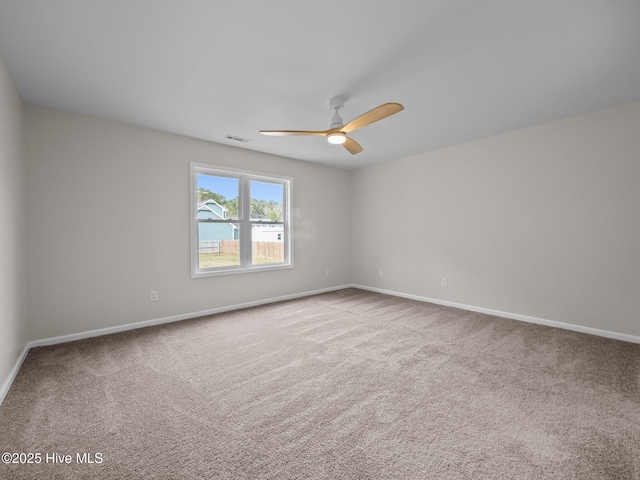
(217, 197)
(267, 243)
(218, 241)
(216, 252)
(267, 200)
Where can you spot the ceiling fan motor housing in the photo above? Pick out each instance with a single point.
(335, 104)
(336, 121)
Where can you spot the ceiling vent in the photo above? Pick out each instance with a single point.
(235, 138)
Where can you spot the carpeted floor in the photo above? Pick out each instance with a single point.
(348, 384)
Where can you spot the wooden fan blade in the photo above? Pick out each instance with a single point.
(351, 145)
(371, 116)
(282, 133)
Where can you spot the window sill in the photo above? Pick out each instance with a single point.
(239, 270)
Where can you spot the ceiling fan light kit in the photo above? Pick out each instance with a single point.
(336, 138)
(337, 132)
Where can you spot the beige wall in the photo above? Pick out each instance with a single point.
(12, 227)
(543, 222)
(108, 216)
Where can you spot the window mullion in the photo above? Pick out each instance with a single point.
(245, 221)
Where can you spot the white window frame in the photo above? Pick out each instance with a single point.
(244, 223)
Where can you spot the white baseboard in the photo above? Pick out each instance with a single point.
(159, 321)
(175, 318)
(13, 373)
(513, 316)
(146, 323)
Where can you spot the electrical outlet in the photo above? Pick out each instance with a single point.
(153, 296)
(381, 273)
(328, 272)
(444, 282)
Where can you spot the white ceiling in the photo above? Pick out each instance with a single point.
(463, 69)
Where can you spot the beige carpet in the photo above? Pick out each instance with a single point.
(348, 384)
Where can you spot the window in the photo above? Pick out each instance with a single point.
(240, 221)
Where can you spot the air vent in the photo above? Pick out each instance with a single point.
(235, 138)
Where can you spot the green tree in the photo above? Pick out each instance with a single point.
(274, 212)
(204, 195)
(263, 210)
(260, 209)
(232, 207)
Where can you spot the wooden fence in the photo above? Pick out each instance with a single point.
(208, 246)
(272, 251)
(231, 247)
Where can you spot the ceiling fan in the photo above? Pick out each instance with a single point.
(337, 132)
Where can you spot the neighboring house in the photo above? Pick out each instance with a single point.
(214, 231)
(267, 233)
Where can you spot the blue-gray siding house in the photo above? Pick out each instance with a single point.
(213, 232)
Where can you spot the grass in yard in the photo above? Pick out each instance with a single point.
(209, 260)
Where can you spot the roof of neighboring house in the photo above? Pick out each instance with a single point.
(205, 205)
